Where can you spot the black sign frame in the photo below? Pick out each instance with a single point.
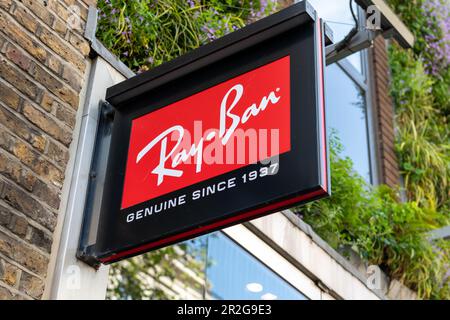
(295, 31)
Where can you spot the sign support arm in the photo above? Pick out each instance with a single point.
(86, 247)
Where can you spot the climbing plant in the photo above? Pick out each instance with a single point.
(371, 221)
(420, 89)
(147, 33)
(383, 231)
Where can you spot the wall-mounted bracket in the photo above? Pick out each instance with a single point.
(88, 235)
(363, 39)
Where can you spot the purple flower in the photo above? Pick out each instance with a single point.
(264, 7)
(150, 60)
(125, 53)
(210, 32)
(438, 40)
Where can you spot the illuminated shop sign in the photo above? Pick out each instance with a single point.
(229, 132)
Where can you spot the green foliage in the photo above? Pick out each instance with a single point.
(382, 230)
(149, 276)
(147, 33)
(411, 13)
(420, 89)
(423, 139)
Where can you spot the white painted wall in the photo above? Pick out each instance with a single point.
(336, 275)
(68, 277)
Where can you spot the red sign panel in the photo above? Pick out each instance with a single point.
(228, 126)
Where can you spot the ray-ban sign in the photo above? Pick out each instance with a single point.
(229, 132)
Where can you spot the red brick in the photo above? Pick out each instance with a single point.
(385, 114)
(18, 57)
(15, 32)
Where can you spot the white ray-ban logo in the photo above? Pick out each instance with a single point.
(180, 155)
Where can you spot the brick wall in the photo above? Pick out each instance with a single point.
(388, 164)
(43, 62)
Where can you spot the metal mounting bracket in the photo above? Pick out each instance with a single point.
(88, 235)
(363, 39)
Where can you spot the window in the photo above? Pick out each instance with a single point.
(347, 118)
(233, 273)
(230, 272)
(348, 93)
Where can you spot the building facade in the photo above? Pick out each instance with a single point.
(54, 73)
(44, 67)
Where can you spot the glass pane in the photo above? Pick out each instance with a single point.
(347, 116)
(232, 273)
(338, 17)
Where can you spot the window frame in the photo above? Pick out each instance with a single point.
(364, 81)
